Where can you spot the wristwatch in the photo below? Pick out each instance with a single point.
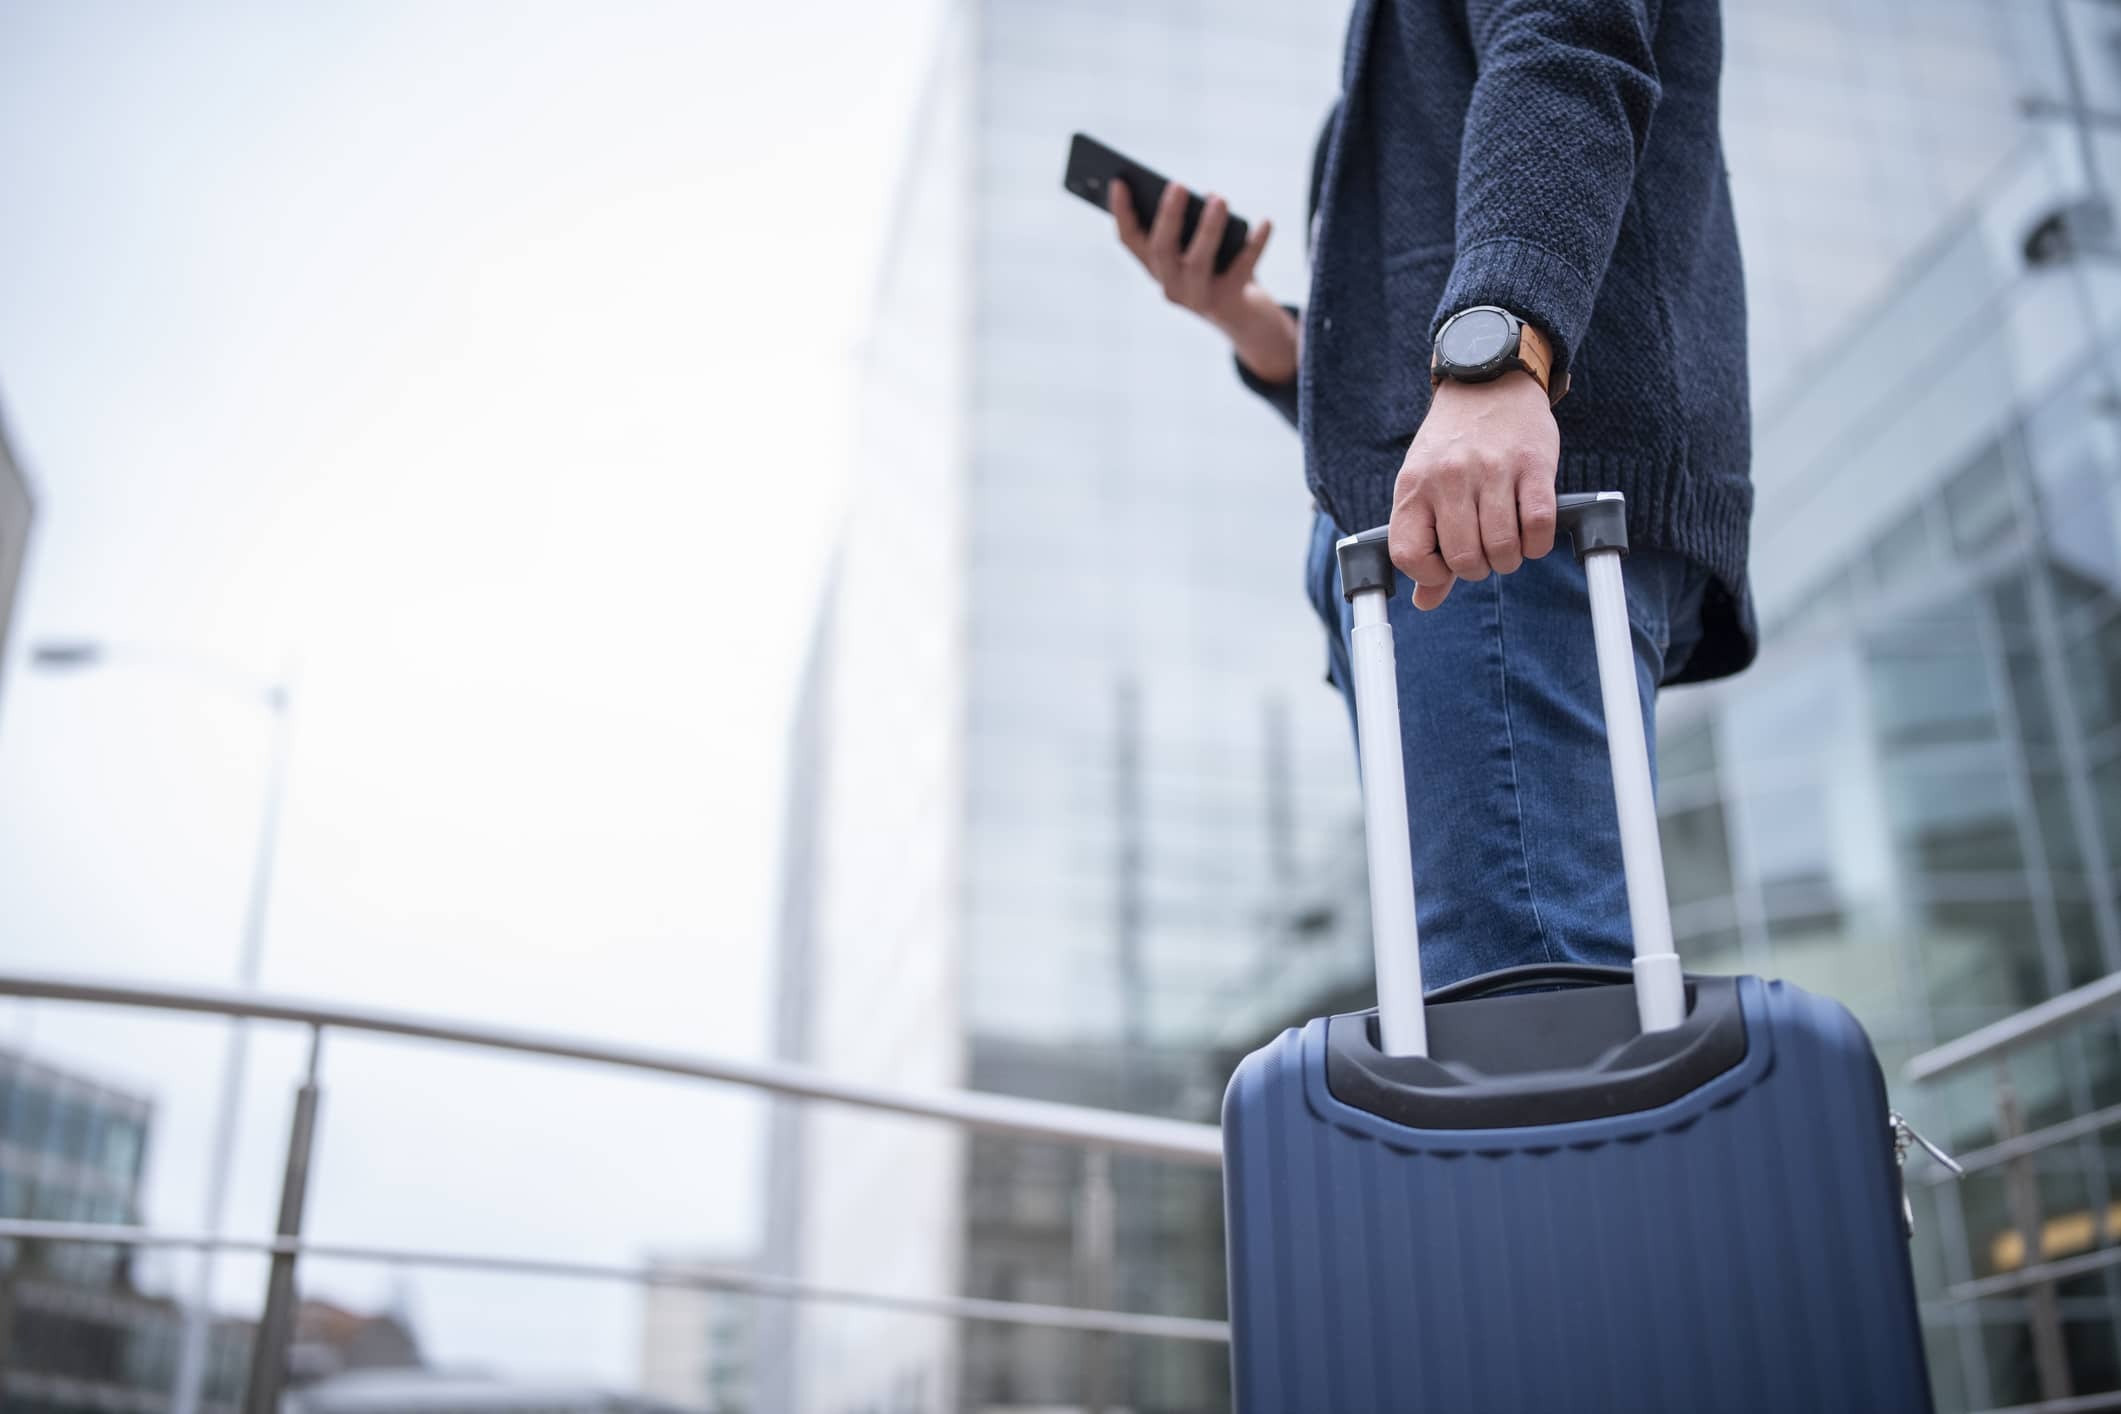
(1484, 342)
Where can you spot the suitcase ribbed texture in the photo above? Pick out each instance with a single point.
(1737, 1250)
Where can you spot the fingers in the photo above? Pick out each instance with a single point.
(1199, 258)
(1164, 233)
(1131, 234)
(1458, 535)
(1413, 547)
(1248, 254)
(1196, 266)
(1536, 513)
(1498, 529)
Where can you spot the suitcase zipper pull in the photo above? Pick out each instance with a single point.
(1905, 1134)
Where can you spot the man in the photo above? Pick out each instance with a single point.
(1537, 185)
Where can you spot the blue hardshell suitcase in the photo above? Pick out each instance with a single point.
(1547, 1190)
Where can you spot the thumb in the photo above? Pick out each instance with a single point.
(1428, 596)
(1248, 255)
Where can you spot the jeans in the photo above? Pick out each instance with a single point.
(1509, 787)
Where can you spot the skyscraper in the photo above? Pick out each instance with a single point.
(1077, 749)
(1088, 823)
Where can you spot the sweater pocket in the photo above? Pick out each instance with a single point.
(1413, 282)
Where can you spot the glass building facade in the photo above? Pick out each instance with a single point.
(1075, 750)
(76, 1334)
(1087, 827)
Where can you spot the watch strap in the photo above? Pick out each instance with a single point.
(1535, 355)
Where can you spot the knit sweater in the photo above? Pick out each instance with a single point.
(1561, 159)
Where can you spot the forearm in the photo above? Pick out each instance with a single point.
(1560, 112)
(1263, 335)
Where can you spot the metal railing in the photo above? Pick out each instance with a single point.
(1099, 1132)
(2036, 1277)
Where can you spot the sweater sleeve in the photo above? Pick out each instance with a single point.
(1280, 396)
(1561, 108)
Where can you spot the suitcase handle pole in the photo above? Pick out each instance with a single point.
(1402, 1026)
(1597, 523)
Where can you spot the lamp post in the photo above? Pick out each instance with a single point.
(277, 698)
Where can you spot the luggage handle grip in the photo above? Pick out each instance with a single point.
(1597, 524)
(1532, 974)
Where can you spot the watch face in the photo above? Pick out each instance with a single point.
(1474, 339)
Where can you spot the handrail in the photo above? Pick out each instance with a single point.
(1176, 1140)
(2000, 1038)
(709, 1278)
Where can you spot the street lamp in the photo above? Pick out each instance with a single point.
(59, 656)
(277, 698)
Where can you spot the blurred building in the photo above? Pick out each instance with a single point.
(76, 1334)
(698, 1344)
(776, 1323)
(1913, 802)
(1074, 748)
(330, 1339)
(16, 508)
(1087, 826)
(442, 1392)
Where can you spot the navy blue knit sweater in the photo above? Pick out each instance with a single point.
(1562, 159)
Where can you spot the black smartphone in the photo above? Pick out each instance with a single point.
(1093, 167)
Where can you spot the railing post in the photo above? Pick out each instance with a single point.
(276, 1325)
(1096, 1242)
(2022, 1191)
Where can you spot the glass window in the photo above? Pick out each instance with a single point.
(1932, 696)
(2088, 1333)
(2092, 663)
(121, 1148)
(1978, 504)
(28, 1114)
(68, 1121)
(1697, 854)
(2029, 699)
(1905, 554)
(2079, 929)
(1980, 961)
(1952, 813)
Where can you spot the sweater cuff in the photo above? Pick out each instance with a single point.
(1528, 280)
(1279, 396)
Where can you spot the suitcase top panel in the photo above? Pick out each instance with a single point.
(1537, 1058)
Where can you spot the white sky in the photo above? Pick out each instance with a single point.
(492, 360)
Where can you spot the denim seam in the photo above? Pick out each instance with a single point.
(1509, 742)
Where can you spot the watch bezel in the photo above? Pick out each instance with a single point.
(1507, 360)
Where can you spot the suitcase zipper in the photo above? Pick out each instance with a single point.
(1905, 1134)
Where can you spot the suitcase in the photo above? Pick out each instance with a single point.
(1562, 1188)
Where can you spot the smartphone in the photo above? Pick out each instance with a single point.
(1093, 167)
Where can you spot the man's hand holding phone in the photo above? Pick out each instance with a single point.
(1262, 332)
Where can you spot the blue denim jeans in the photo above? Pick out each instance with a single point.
(1509, 787)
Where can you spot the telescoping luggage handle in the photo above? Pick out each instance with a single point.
(1597, 523)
